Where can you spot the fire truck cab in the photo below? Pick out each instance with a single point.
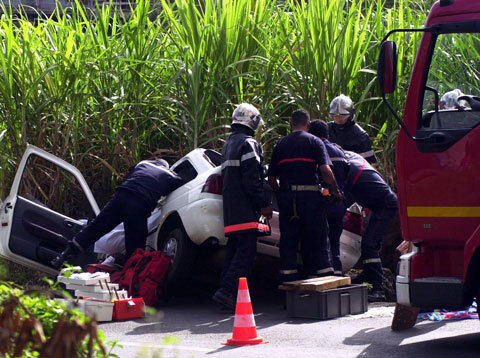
(438, 158)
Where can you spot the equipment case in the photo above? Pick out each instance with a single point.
(336, 302)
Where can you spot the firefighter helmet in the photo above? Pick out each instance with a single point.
(342, 105)
(247, 115)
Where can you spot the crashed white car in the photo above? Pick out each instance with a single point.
(36, 219)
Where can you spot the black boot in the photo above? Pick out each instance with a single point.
(72, 250)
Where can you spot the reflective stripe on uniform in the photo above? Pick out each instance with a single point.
(305, 188)
(230, 163)
(367, 154)
(245, 226)
(371, 261)
(296, 160)
(288, 272)
(337, 272)
(338, 159)
(254, 151)
(249, 155)
(325, 270)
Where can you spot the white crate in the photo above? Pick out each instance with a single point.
(92, 288)
(100, 310)
(105, 296)
(85, 278)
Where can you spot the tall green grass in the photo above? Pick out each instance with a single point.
(103, 90)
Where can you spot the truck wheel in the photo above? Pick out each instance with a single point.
(182, 250)
(478, 302)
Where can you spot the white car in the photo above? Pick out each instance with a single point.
(36, 218)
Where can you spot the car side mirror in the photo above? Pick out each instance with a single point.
(387, 67)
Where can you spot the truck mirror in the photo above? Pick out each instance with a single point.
(387, 67)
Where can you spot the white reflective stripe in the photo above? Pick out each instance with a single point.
(328, 269)
(248, 156)
(367, 154)
(243, 296)
(371, 261)
(230, 163)
(338, 159)
(337, 272)
(244, 320)
(288, 272)
(254, 150)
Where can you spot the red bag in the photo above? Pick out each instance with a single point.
(144, 275)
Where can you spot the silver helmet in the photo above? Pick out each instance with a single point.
(246, 115)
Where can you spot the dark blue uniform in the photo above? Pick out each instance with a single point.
(294, 162)
(132, 204)
(352, 137)
(336, 213)
(243, 197)
(367, 187)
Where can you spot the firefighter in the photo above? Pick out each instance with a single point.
(335, 213)
(131, 204)
(366, 186)
(245, 202)
(345, 132)
(295, 161)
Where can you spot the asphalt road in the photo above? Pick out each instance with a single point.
(192, 326)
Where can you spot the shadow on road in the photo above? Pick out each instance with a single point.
(385, 342)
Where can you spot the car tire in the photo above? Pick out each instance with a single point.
(183, 251)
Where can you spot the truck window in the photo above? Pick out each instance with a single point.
(455, 65)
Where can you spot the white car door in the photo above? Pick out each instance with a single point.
(47, 198)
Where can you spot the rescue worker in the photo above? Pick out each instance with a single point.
(295, 161)
(345, 132)
(245, 202)
(365, 186)
(131, 204)
(335, 213)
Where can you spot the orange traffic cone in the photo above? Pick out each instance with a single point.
(244, 330)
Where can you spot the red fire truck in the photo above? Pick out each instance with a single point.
(438, 158)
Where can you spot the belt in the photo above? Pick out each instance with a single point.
(305, 187)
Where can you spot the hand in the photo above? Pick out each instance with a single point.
(336, 197)
(267, 212)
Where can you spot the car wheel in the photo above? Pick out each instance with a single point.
(182, 250)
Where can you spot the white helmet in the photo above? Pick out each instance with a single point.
(247, 115)
(342, 105)
(449, 99)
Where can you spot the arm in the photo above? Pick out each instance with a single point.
(252, 171)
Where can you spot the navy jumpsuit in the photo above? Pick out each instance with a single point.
(352, 137)
(243, 197)
(302, 215)
(132, 204)
(367, 187)
(335, 213)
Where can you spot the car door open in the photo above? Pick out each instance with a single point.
(47, 199)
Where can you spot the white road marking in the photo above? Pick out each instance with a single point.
(165, 346)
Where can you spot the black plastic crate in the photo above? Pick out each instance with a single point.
(336, 302)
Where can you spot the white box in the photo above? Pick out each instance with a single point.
(101, 311)
(92, 288)
(105, 296)
(85, 278)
